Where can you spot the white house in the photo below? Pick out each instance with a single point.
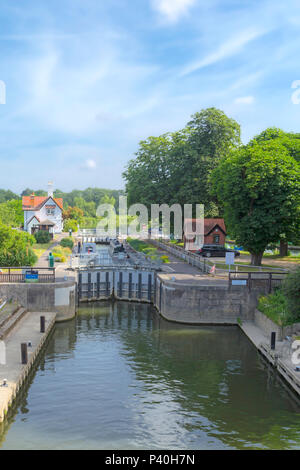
(43, 213)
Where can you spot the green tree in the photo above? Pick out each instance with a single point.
(7, 195)
(259, 187)
(291, 141)
(11, 213)
(16, 247)
(70, 224)
(175, 167)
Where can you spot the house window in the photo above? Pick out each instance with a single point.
(216, 238)
(50, 211)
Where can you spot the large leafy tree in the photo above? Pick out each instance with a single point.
(259, 186)
(291, 141)
(175, 167)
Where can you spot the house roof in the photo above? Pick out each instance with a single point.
(34, 203)
(209, 225)
(47, 222)
(33, 217)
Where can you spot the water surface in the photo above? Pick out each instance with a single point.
(120, 377)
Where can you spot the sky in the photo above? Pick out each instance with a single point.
(82, 82)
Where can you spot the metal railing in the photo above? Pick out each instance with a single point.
(208, 266)
(26, 274)
(256, 279)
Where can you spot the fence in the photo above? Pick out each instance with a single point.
(206, 266)
(26, 274)
(255, 279)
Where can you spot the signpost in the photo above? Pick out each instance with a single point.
(229, 258)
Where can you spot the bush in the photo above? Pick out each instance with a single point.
(15, 248)
(70, 224)
(42, 236)
(67, 243)
(291, 290)
(59, 258)
(275, 307)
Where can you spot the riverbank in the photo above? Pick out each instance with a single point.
(13, 371)
(280, 357)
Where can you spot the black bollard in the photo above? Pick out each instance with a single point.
(24, 354)
(42, 319)
(273, 340)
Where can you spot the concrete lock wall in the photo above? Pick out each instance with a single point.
(268, 326)
(205, 304)
(56, 297)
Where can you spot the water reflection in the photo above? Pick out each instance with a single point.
(121, 377)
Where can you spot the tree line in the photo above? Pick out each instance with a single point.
(254, 186)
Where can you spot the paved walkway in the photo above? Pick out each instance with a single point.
(11, 368)
(180, 271)
(61, 269)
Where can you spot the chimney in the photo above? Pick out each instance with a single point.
(32, 199)
(50, 189)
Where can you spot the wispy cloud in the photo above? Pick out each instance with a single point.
(172, 10)
(226, 50)
(244, 100)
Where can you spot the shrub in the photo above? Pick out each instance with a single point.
(15, 248)
(70, 224)
(67, 243)
(275, 307)
(42, 236)
(59, 258)
(291, 290)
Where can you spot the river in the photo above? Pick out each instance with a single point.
(118, 376)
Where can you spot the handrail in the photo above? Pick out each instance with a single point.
(211, 263)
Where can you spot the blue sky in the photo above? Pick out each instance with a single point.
(86, 80)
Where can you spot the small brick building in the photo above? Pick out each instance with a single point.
(214, 232)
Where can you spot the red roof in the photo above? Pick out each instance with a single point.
(209, 225)
(33, 203)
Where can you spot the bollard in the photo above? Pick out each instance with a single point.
(273, 340)
(42, 322)
(24, 354)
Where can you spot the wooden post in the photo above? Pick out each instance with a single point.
(130, 286)
(89, 285)
(270, 283)
(273, 340)
(42, 324)
(24, 353)
(149, 287)
(98, 284)
(79, 286)
(107, 283)
(140, 286)
(120, 284)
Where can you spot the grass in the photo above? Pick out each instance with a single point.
(147, 249)
(274, 306)
(61, 254)
(40, 248)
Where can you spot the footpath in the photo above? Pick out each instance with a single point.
(62, 271)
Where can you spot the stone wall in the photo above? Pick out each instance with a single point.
(56, 297)
(268, 326)
(210, 304)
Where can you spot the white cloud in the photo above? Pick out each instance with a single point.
(90, 164)
(244, 100)
(172, 9)
(229, 48)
